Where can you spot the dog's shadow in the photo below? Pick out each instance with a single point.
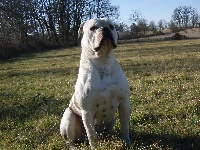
(110, 140)
(163, 141)
(142, 140)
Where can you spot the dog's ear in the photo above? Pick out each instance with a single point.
(117, 34)
(80, 31)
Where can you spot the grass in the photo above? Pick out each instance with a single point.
(164, 79)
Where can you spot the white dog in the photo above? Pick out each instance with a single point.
(100, 90)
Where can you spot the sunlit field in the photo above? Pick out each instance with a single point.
(164, 80)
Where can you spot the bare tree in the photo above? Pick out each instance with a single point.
(101, 9)
(78, 13)
(162, 24)
(185, 16)
(152, 27)
(134, 30)
(47, 22)
(143, 26)
(173, 26)
(135, 16)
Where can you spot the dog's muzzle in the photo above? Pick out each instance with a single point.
(105, 37)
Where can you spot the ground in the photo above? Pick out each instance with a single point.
(164, 78)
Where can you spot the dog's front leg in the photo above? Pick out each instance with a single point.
(124, 114)
(88, 121)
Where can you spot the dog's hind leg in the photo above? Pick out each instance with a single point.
(71, 128)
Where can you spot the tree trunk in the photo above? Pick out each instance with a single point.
(53, 29)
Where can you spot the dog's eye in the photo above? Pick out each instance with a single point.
(111, 26)
(93, 28)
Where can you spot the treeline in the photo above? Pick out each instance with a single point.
(34, 25)
(183, 17)
(30, 25)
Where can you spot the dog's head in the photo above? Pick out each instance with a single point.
(99, 35)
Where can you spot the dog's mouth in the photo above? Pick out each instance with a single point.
(105, 42)
(105, 39)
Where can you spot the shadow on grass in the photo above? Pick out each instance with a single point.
(144, 141)
(41, 72)
(37, 55)
(36, 106)
(43, 105)
(164, 141)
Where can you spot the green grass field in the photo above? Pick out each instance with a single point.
(164, 79)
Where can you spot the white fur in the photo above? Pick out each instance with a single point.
(100, 90)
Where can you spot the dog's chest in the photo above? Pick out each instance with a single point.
(100, 91)
(105, 103)
(104, 97)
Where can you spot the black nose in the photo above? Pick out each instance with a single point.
(107, 33)
(106, 29)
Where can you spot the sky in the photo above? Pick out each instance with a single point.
(152, 9)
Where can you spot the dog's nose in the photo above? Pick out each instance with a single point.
(106, 32)
(106, 29)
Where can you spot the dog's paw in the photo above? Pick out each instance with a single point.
(94, 144)
(126, 140)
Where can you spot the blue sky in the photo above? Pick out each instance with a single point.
(152, 9)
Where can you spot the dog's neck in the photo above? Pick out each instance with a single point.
(105, 61)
